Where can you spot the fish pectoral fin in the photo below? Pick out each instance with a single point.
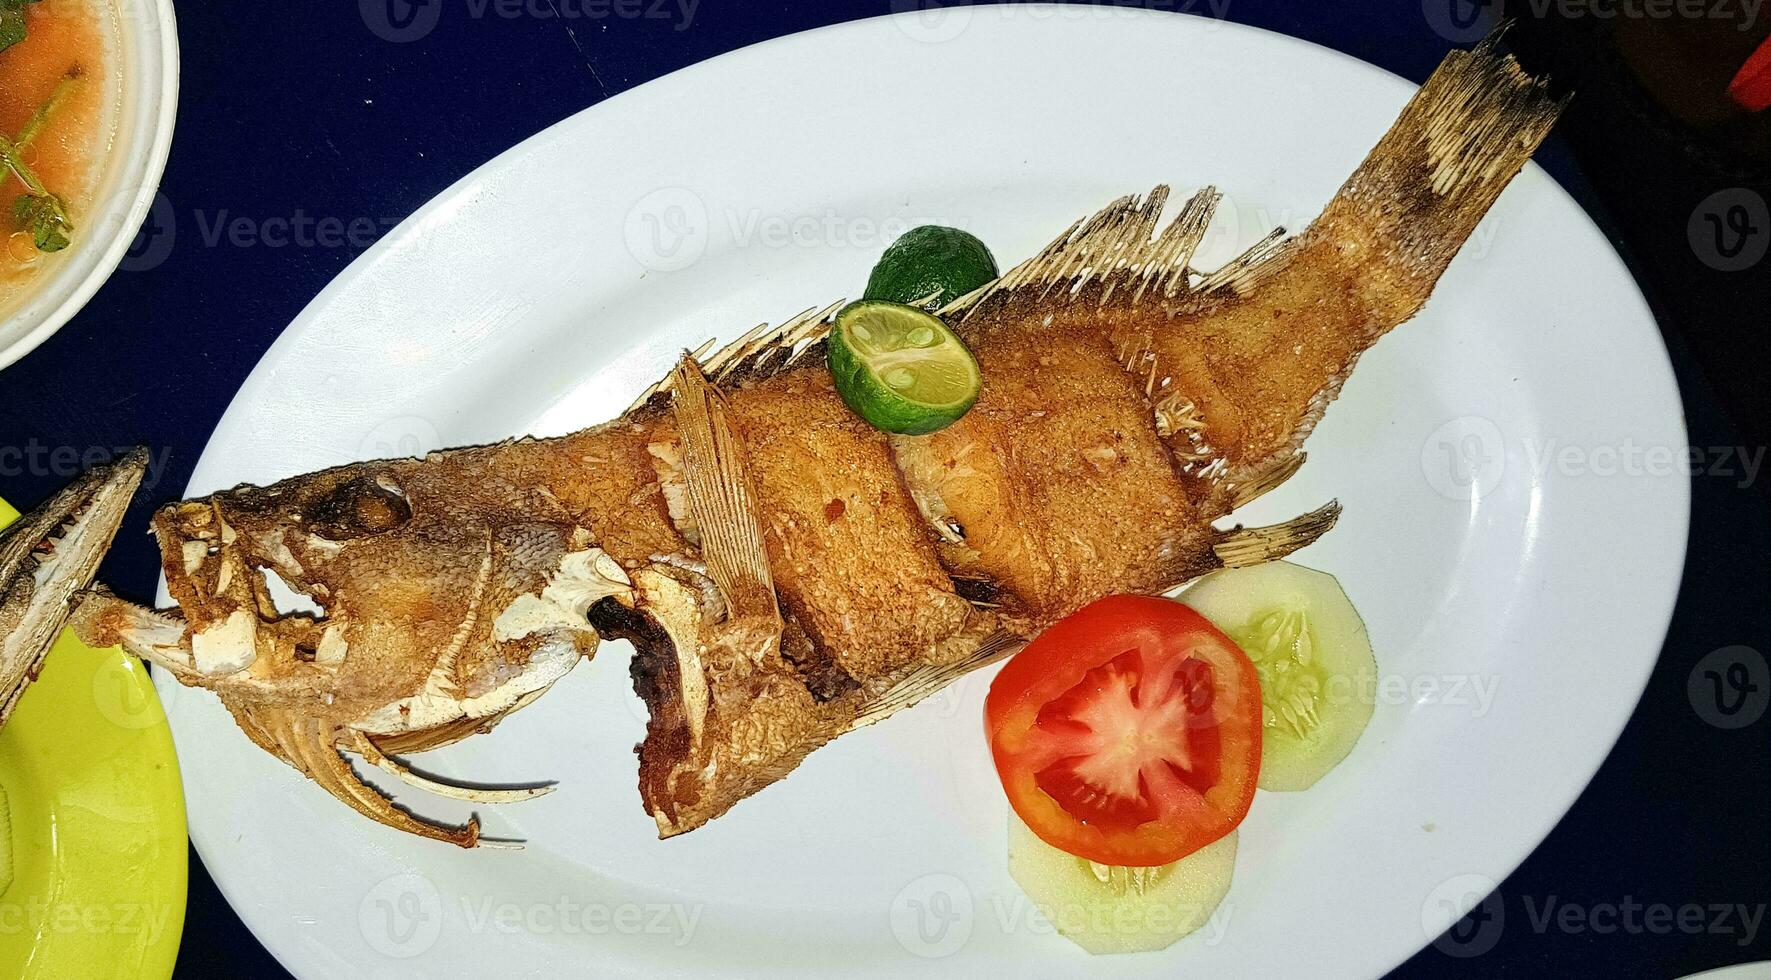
(723, 501)
(1265, 480)
(363, 745)
(312, 746)
(926, 679)
(1242, 546)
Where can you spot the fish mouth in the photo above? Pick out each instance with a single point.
(209, 573)
(49, 557)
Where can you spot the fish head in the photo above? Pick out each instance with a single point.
(48, 557)
(395, 596)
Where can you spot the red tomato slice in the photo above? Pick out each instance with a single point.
(1751, 86)
(1129, 733)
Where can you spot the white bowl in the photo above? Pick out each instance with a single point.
(129, 177)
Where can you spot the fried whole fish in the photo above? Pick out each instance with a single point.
(787, 573)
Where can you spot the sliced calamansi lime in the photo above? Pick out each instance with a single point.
(901, 369)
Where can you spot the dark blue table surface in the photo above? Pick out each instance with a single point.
(307, 115)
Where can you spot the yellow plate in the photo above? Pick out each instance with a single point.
(97, 831)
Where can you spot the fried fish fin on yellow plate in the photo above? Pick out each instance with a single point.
(786, 573)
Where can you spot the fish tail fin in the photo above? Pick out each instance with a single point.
(1423, 188)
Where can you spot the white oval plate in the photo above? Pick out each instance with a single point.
(1517, 581)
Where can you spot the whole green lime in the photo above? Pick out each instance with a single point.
(931, 260)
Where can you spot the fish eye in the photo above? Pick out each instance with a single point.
(358, 508)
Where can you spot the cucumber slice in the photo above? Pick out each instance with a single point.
(1120, 910)
(1310, 648)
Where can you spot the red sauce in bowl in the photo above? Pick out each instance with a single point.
(63, 38)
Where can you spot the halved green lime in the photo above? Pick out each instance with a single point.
(931, 260)
(901, 369)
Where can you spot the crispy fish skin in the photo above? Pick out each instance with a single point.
(1062, 488)
(852, 559)
(1129, 401)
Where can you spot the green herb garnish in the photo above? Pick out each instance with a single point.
(45, 216)
(35, 124)
(12, 22)
(38, 210)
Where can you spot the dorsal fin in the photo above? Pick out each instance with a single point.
(762, 352)
(1118, 252)
(722, 497)
(1244, 273)
(1121, 252)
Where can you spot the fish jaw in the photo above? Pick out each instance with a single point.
(48, 557)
